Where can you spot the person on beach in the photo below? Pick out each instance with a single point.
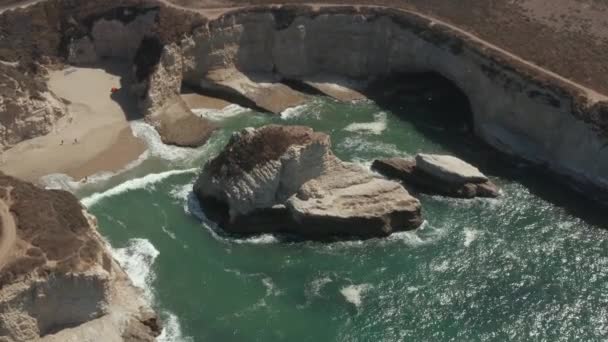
(75, 141)
(61, 142)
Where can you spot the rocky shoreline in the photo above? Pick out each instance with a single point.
(438, 174)
(518, 108)
(273, 179)
(58, 281)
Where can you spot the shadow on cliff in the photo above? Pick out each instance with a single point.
(441, 111)
(123, 97)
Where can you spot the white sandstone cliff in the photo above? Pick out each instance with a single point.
(538, 119)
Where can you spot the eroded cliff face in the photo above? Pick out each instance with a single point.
(52, 32)
(27, 108)
(516, 108)
(286, 179)
(58, 281)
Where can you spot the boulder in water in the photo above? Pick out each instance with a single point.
(286, 179)
(177, 125)
(438, 174)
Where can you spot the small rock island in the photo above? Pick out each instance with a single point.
(438, 174)
(287, 179)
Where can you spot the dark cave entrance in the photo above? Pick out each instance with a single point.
(448, 107)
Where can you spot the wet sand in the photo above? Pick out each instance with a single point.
(194, 101)
(94, 137)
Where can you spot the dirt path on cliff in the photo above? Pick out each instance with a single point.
(8, 235)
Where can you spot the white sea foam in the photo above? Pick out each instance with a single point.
(317, 285)
(220, 114)
(362, 145)
(184, 194)
(353, 293)
(470, 235)
(133, 184)
(271, 288)
(191, 206)
(172, 330)
(59, 181)
(137, 259)
(375, 127)
(491, 203)
(313, 289)
(263, 239)
(64, 182)
(168, 232)
(156, 147)
(194, 208)
(425, 234)
(410, 238)
(294, 112)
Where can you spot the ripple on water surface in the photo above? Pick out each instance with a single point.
(515, 268)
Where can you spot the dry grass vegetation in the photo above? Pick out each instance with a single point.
(53, 235)
(581, 55)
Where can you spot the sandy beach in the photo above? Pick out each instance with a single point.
(194, 101)
(95, 136)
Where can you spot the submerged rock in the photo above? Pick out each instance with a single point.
(286, 178)
(439, 174)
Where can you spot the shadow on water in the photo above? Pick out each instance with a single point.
(447, 120)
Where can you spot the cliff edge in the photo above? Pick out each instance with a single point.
(58, 281)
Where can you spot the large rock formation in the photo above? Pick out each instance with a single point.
(438, 174)
(518, 107)
(163, 106)
(85, 33)
(286, 179)
(27, 108)
(58, 282)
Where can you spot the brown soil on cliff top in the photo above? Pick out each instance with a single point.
(52, 233)
(568, 37)
(267, 143)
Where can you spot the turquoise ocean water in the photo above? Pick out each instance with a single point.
(529, 266)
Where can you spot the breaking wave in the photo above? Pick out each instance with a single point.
(184, 194)
(375, 127)
(172, 330)
(60, 181)
(363, 146)
(155, 145)
(470, 235)
(220, 114)
(309, 109)
(133, 184)
(354, 293)
(137, 260)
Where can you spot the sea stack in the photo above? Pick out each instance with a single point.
(286, 179)
(438, 174)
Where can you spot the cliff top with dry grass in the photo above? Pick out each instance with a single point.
(568, 37)
(52, 233)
